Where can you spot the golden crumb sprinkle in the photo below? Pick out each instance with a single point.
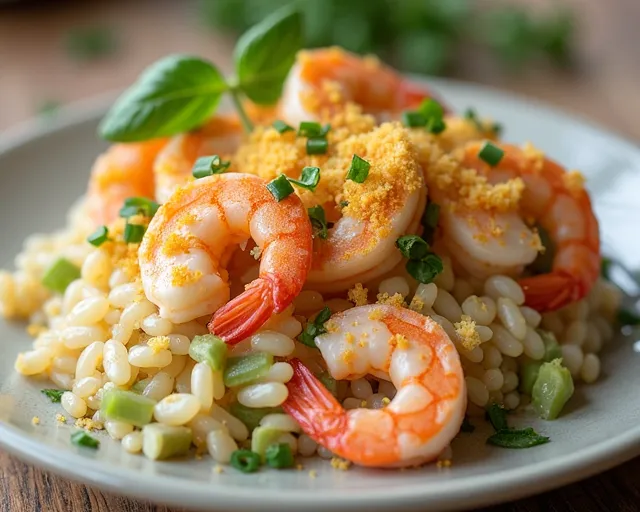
(182, 275)
(394, 300)
(574, 181)
(176, 244)
(349, 337)
(88, 424)
(299, 467)
(467, 333)
(348, 356)
(358, 295)
(417, 304)
(35, 421)
(376, 314)
(331, 326)
(60, 418)
(256, 252)
(218, 469)
(399, 341)
(159, 343)
(386, 400)
(445, 463)
(534, 156)
(313, 473)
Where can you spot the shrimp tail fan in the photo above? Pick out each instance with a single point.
(243, 315)
(548, 292)
(314, 408)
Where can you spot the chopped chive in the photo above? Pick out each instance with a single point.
(317, 146)
(359, 169)
(412, 247)
(99, 236)
(279, 456)
(281, 126)
(138, 205)
(245, 461)
(309, 178)
(53, 394)
(133, 233)
(426, 269)
(208, 166)
(517, 438)
(312, 129)
(315, 328)
(491, 154)
(280, 187)
(318, 221)
(81, 438)
(343, 204)
(60, 275)
(430, 108)
(413, 119)
(436, 125)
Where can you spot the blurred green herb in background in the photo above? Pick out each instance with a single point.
(90, 43)
(416, 35)
(48, 109)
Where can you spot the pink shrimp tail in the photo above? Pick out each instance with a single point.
(314, 408)
(548, 292)
(244, 315)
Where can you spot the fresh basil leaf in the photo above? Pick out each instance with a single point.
(517, 438)
(265, 53)
(412, 247)
(174, 95)
(497, 415)
(315, 328)
(426, 269)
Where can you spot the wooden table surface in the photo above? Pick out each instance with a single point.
(34, 69)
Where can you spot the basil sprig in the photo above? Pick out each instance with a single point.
(180, 92)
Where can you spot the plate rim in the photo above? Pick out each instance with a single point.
(475, 490)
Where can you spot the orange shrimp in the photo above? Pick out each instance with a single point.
(322, 81)
(559, 203)
(192, 236)
(421, 361)
(124, 170)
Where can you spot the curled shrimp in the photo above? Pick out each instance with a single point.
(420, 360)
(189, 241)
(557, 201)
(322, 81)
(124, 170)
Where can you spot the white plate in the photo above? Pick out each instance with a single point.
(43, 170)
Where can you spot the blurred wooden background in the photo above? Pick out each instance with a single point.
(35, 71)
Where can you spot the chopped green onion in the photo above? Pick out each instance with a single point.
(281, 126)
(133, 233)
(413, 119)
(528, 375)
(431, 109)
(309, 178)
(513, 438)
(245, 369)
(329, 382)
(262, 438)
(467, 426)
(317, 146)
(280, 187)
(412, 247)
(251, 416)
(497, 415)
(627, 317)
(208, 166)
(491, 154)
(164, 441)
(436, 126)
(245, 461)
(138, 205)
(53, 394)
(81, 438)
(359, 169)
(471, 115)
(209, 349)
(312, 129)
(60, 275)
(318, 221)
(343, 204)
(315, 328)
(426, 269)
(552, 390)
(99, 236)
(279, 456)
(605, 267)
(127, 406)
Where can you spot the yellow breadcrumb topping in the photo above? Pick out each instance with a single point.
(88, 424)
(60, 418)
(445, 463)
(331, 326)
(256, 252)
(394, 300)
(182, 275)
(534, 156)
(417, 304)
(399, 341)
(349, 337)
(176, 244)
(376, 314)
(467, 333)
(159, 343)
(348, 356)
(35, 421)
(313, 473)
(218, 469)
(386, 400)
(358, 295)
(574, 181)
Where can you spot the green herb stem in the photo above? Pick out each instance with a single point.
(244, 118)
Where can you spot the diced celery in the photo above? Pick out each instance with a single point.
(127, 406)
(528, 375)
(209, 349)
(60, 274)
(552, 389)
(249, 416)
(139, 386)
(329, 382)
(164, 441)
(552, 348)
(245, 369)
(262, 438)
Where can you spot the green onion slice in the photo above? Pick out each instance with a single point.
(359, 169)
(133, 233)
(99, 236)
(281, 126)
(280, 188)
(208, 166)
(412, 119)
(245, 461)
(312, 129)
(436, 125)
(138, 205)
(309, 178)
(317, 146)
(412, 247)
(279, 456)
(81, 438)
(318, 221)
(491, 154)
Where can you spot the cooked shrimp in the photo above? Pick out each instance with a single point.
(124, 170)
(421, 361)
(322, 81)
(192, 236)
(558, 202)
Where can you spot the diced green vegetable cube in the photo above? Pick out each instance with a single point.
(209, 349)
(262, 438)
(139, 386)
(552, 389)
(528, 375)
(251, 416)
(165, 441)
(127, 406)
(245, 369)
(60, 275)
